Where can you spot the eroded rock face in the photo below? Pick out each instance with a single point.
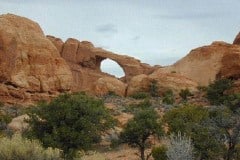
(109, 84)
(164, 81)
(85, 61)
(237, 39)
(29, 62)
(208, 63)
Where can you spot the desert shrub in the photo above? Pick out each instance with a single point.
(185, 93)
(18, 148)
(159, 153)
(140, 95)
(179, 148)
(216, 91)
(168, 97)
(193, 121)
(112, 93)
(153, 88)
(70, 122)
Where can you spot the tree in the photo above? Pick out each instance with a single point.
(69, 122)
(136, 133)
(192, 120)
(226, 124)
(216, 92)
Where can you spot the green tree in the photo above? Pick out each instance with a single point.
(136, 133)
(216, 92)
(69, 122)
(226, 125)
(192, 120)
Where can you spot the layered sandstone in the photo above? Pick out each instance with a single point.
(34, 66)
(237, 39)
(208, 63)
(29, 62)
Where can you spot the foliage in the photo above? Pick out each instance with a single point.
(216, 91)
(191, 120)
(185, 93)
(182, 119)
(179, 147)
(138, 130)
(226, 126)
(153, 88)
(168, 97)
(135, 107)
(159, 153)
(140, 95)
(70, 122)
(18, 148)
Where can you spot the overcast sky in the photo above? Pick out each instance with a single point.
(154, 31)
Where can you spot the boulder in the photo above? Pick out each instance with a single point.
(29, 62)
(19, 124)
(105, 85)
(164, 82)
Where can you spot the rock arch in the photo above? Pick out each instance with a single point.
(111, 67)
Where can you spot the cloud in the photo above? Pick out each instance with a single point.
(183, 16)
(107, 28)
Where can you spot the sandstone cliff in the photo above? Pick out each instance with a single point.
(30, 64)
(34, 66)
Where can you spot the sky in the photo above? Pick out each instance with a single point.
(157, 32)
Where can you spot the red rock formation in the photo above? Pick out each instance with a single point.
(34, 66)
(237, 39)
(85, 61)
(206, 64)
(30, 65)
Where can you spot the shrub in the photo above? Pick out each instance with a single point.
(159, 153)
(140, 95)
(185, 93)
(179, 148)
(216, 91)
(153, 88)
(18, 148)
(168, 97)
(70, 122)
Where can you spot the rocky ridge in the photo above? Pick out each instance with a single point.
(34, 66)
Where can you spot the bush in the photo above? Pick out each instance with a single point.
(185, 93)
(153, 88)
(159, 153)
(168, 97)
(216, 91)
(18, 148)
(179, 148)
(140, 95)
(70, 122)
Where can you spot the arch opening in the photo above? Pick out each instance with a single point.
(111, 67)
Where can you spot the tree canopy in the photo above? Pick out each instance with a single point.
(69, 122)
